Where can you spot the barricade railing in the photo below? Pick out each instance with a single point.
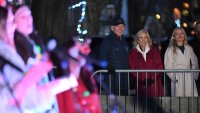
(108, 89)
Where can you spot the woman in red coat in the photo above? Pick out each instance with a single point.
(83, 98)
(145, 56)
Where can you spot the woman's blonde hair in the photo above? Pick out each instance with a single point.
(173, 43)
(135, 43)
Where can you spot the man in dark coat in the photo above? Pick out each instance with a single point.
(114, 49)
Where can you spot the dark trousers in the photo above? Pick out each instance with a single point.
(118, 83)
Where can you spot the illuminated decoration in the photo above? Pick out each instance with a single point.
(185, 24)
(86, 94)
(51, 44)
(89, 66)
(185, 12)
(193, 32)
(158, 16)
(81, 20)
(194, 24)
(103, 63)
(81, 39)
(176, 10)
(38, 51)
(178, 23)
(186, 5)
(176, 13)
(64, 64)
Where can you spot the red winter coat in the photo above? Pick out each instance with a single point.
(74, 101)
(153, 61)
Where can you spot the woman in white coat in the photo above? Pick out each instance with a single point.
(180, 55)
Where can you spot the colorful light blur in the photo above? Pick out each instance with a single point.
(158, 16)
(186, 5)
(185, 24)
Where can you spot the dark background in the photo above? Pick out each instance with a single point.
(53, 18)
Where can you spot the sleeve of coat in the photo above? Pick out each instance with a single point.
(168, 63)
(132, 63)
(158, 60)
(158, 64)
(194, 62)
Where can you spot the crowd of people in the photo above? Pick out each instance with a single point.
(26, 65)
(145, 56)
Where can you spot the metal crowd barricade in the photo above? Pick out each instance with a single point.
(134, 103)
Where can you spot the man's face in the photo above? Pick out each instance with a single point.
(118, 29)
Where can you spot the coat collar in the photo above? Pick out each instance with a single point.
(114, 36)
(144, 53)
(147, 48)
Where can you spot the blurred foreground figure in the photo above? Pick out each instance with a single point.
(19, 88)
(3, 3)
(28, 43)
(84, 98)
(83, 45)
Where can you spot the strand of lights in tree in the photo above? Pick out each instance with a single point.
(83, 4)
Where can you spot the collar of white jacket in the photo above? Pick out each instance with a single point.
(147, 48)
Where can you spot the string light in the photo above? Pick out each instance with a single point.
(81, 20)
(157, 16)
